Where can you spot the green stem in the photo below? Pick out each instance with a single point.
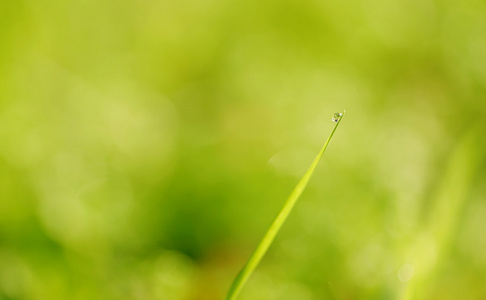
(267, 240)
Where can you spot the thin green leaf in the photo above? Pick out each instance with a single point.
(267, 240)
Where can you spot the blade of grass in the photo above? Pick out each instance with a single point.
(267, 240)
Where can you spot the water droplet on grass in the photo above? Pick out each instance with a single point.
(336, 117)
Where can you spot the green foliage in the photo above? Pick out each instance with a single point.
(144, 145)
(274, 228)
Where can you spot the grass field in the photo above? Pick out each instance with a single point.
(146, 146)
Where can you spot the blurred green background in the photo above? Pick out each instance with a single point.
(145, 147)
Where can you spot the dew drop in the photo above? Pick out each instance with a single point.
(336, 117)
